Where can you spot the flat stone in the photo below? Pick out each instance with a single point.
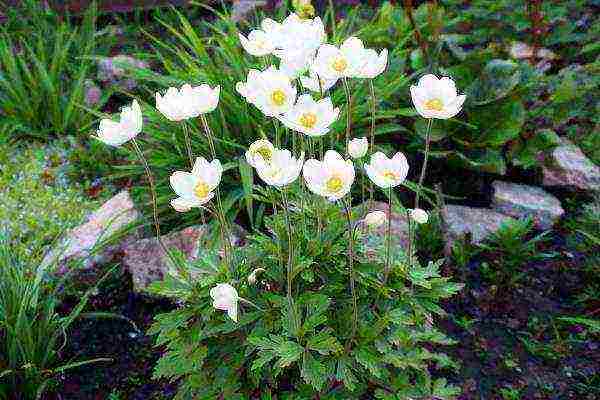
(113, 216)
(520, 50)
(147, 262)
(567, 166)
(522, 201)
(480, 223)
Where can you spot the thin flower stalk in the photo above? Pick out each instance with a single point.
(348, 112)
(290, 244)
(188, 144)
(372, 134)
(351, 273)
(150, 177)
(426, 158)
(388, 253)
(220, 211)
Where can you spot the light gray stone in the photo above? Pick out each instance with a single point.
(147, 262)
(114, 216)
(112, 70)
(480, 223)
(242, 8)
(522, 201)
(568, 166)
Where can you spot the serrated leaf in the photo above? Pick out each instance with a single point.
(496, 81)
(344, 373)
(313, 371)
(369, 360)
(324, 343)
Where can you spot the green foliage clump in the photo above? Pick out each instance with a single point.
(44, 61)
(38, 200)
(32, 332)
(514, 248)
(306, 347)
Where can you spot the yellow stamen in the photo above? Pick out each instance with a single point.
(278, 97)
(308, 120)
(340, 65)
(334, 184)
(201, 190)
(265, 153)
(434, 104)
(391, 175)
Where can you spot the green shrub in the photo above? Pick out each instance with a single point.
(299, 351)
(43, 67)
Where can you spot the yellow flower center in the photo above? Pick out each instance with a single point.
(391, 175)
(265, 153)
(340, 65)
(306, 11)
(334, 184)
(201, 190)
(278, 97)
(434, 104)
(308, 120)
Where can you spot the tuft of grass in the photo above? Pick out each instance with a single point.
(32, 332)
(514, 248)
(43, 65)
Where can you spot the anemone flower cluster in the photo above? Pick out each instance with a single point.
(307, 62)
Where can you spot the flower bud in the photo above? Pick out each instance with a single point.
(357, 148)
(252, 277)
(419, 216)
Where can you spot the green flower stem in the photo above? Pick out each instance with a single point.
(411, 228)
(150, 177)
(372, 134)
(388, 252)
(348, 112)
(220, 212)
(290, 244)
(276, 126)
(188, 144)
(424, 168)
(351, 271)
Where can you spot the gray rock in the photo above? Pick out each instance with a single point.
(568, 166)
(112, 70)
(147, 262)
(478, 222)
(242, 8)
(110, 220)
(522, 201)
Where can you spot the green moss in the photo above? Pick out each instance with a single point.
(38, 200)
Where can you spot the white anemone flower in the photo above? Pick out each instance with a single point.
(260, 150)
(312, 83)
(419, 216)
(331, 178)
(188, 101)
(129, 126)
(225, 298)
(313, 118)
(297, 33)
(344, 62)
(258, 43)
(375, 219)
(436, 98)
(387, 172)
(375, 64)
(271, 91)
(281, 170)
(196, 188)
(357, 147)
